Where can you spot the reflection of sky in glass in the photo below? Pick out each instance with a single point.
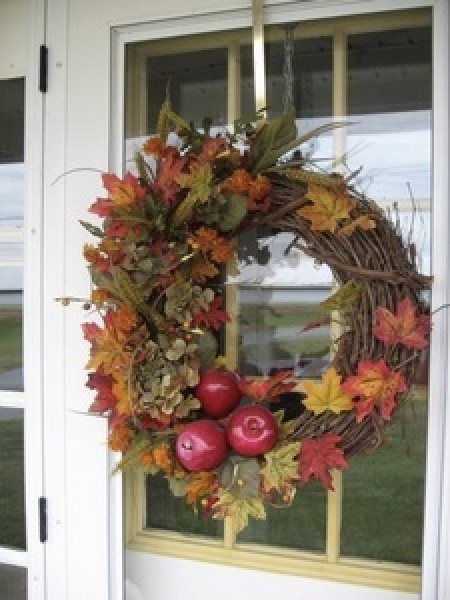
(394, 152)
(11, 225)
(11, 192)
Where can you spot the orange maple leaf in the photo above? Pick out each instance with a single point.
(121, 392)
(222, 251)
(259, 187)
(207, 240)
(163, 457)
(211, 148)
(202, 269)
(239, 182)
(119, 438)
(266, 390)
(403, 327)
(199, 486)
(318, 456)
(123, 193)
(108, 343)
(329, 206)
(154, 146)
(374, 385)
(204, 239)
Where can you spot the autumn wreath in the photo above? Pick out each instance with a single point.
(166, 233)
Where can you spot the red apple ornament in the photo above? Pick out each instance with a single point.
(218, 392)
(201, 445)
(252, 430)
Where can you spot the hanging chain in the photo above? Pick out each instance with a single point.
(288, 70)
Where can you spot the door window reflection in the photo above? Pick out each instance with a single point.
(11, 232)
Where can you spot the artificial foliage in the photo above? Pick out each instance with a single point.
(159, 250)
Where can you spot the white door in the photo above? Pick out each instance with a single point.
(21, 473)
(84, 135)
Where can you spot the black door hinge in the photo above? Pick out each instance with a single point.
(42, 519)
(43, 68)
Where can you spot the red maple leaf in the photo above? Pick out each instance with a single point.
(403, 327)
(91, 331)
(165, 182)
(117, 229)
(318, 456)
(105, 400)
(214, 317)
(266, 390)
(374, 385)
(102, 207)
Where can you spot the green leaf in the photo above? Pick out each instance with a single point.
(126, 290)
(103, 281)
(167, 119)
(281, 466)
(270, 138)
(129, 458)
(240, 476)
(92, 229)
(232, 212)
(177, 486)
(199, 183)
(206, 348)
(239, 510)
(344, 298)
(268, 158)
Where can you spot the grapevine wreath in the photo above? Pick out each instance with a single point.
(222, 439)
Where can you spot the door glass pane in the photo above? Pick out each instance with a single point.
(165, 511)
(301, 526)
(13, 582)
(279, 291)
(197, 82)
(11, 232)
(12, 501)
(389, 89)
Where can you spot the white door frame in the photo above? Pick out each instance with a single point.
(436, 545)
(32, 305)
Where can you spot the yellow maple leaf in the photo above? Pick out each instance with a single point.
(363, 222)
(326, 394)
(240, 510)
(281, 466)
(329, 206)
(108, 354)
